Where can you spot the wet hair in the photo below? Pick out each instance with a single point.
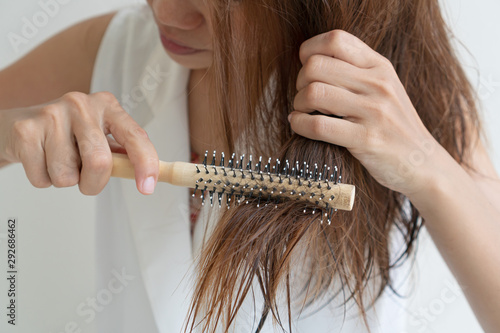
(256, 47)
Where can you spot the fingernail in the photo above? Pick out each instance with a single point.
(148, 185)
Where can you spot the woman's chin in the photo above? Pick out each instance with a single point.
(200, 60)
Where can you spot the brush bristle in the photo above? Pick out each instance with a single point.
(272, 183)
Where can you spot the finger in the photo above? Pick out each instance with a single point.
(33, 160)
(95, 156)
(85, 124)
(115, 146)
(332, 71)
(63, 159)
(329, 100)
(343, 46)
(140, 150)
(26, 146)
(328, 129)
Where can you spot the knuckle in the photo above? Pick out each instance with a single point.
(65, 173)
(94, 142)
(137, 131)
(23, 130)
(78, 104)
(66, 179)
(40, 182)
(335, 37)
(318, 127)
(38, 179)
(303, 50)
(374, 140)
(376, 109)
(118, 121)
(147, 164)
(87, 190)
(76, 98)
(293, 121)
(107, 97)
(313, 92)
(152, 162)
(119, 115)
(99, 162)
(386, 63)
(296, 102)
(313, 65)
(387, 89)
(51, 113)
(383, 85)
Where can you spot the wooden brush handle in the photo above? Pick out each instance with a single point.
(217, 179)
(175, 173)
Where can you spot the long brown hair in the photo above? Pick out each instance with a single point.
(254, 73)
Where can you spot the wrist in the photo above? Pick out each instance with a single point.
(443, 179)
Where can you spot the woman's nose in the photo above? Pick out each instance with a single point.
(180, 14)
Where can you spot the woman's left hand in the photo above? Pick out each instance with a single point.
(343, 76)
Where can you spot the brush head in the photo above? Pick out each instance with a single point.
(240, 180)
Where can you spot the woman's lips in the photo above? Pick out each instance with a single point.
(175, 48)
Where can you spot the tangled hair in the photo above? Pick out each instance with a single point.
(255, 68)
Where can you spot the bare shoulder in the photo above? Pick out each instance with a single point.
(92, 32)
(63, 63)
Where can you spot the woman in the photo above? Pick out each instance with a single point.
(376, 84)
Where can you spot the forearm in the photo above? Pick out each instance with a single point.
(465, 225)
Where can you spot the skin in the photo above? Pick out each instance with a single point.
(51, 125)
(340, 75)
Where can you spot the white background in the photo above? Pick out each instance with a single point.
(55, 225)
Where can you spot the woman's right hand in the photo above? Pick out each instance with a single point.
(65, 142)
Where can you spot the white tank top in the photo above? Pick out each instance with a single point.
(144, 242)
